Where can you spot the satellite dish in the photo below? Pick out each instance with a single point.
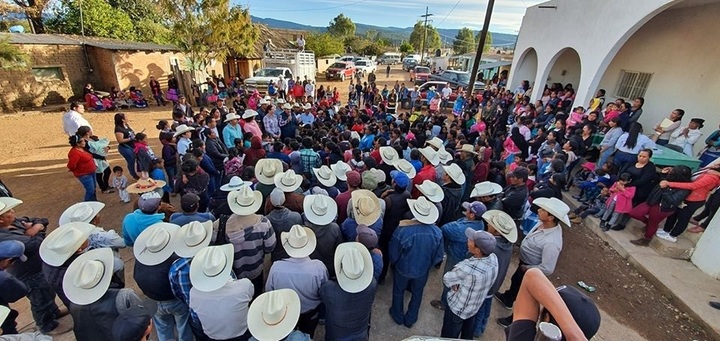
(17, 29)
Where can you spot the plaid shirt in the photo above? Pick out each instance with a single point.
(474, 277)
(309, 159)
(179, 275)
(272, 124)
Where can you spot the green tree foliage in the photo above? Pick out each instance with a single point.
(464, 41)
(341, 26)
(323, 44)
(11, 57)
(374, 49)
(488, 41)
(148, 18)
(406, 47)
(100, 20)
(431, 42)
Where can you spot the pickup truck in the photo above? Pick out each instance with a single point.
(422, 74)
(439, 85)
(262, 77)
(365, 66)
(456, 79)
(340, 70)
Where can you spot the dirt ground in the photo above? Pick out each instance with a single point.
(33, 167)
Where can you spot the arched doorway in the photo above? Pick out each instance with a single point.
(565, 68)
(526, 68)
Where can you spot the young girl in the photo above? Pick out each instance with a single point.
(143, 155)
(619, 203)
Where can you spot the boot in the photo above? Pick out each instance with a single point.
(641, 242)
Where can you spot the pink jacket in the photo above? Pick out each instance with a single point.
(624, 198)
(575, 118)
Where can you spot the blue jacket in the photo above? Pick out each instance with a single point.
(454, 238)
(414, 249)
(349, 228)
(367, 142)
(135, 222)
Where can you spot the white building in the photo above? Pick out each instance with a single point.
(662, 50)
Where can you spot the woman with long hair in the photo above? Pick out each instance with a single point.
(629, 145)
(98, 148)
(82, 165)
(125, 137)
(644, 178)
(607, 145)
(520, 142)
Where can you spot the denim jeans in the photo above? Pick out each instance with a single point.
(482, 317)
(604, 156)
(171, 174)
(88, 181)
(416, 287)
(621, 158)
(454, 326)
(172, 315)
(129, 155)
(42, 300)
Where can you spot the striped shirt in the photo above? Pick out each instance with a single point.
(474, 277)
(251, 244)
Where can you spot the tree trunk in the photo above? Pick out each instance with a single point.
(37, 23)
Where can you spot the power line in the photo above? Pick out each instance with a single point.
(447, 15)
(312, 9)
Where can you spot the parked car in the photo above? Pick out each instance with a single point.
(422, 74)
(365, 66)
(409, 63)
(456, 78)
(439, 85)
(340, 70)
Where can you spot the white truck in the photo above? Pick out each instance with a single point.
(365, 66)
(289, 64)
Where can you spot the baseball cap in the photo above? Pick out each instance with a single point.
(520, 173)
(482, 239)
(353, 178)
(133, 322)
(582, 308)
(477, 208)
(366, 236)
(12, 249)
(400, 178)
(189, 202)
(277, 197)
(149, 202)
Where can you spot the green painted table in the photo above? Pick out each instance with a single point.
(667, 157)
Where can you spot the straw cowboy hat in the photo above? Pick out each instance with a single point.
(430, 154)
(423, 210)
(431, 190)
(389, 155)
(455, 173)
(155, 244)
(145, 185)
(210, 268)
(353, 267)
(436, 142)
(288, 181)
(182, 129)
(320, 209)
(64, 242)
(234, 184)
(87, 278)
(556, 208)
(7, 204)
(444, 157)
(299, 242)
(265, 170)
(503, 223)
(232, 116)
(340, 169)
(468, 148)
(286, 106)
(485, 188)
(406, 167)
(274, 314)
(325, 176)
(365, 206)
(307, 106)
(244, 201)
(83, 212)
(249, 113)
(193, 237)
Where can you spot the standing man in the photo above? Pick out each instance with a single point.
(387, 71)
(396, 206)
(73, 119)
(282, 87)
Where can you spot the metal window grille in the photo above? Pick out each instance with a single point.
(632, 84)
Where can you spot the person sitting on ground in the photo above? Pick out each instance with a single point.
(189, 203)
(146, 214)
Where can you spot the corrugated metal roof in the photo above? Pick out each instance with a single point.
(66, 39)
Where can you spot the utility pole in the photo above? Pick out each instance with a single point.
(422, 45)
(481, 46)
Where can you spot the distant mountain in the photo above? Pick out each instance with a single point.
(395, 34)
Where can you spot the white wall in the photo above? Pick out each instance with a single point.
(569, 62)
(678, 49)
(527, 67)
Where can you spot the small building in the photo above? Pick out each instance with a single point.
(245, 66)
(323, 63)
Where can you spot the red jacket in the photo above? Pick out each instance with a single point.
(425, 173)
(80, 162)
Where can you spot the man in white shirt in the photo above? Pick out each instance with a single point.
(300, 42)
(310, 89)
(282, 88)
(446, 91)
(73, 119)
(684, 139)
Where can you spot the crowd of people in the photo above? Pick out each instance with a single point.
(338, 197)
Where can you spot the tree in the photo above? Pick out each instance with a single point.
(341, 26)
(488, 41)
(464, 41)
(406, 47)
(431, 42)
(323, 44)
(148, 19)
(373, 49)
(12, 57)
(99, 19)
(33, 9)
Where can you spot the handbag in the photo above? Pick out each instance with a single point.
(222, 237)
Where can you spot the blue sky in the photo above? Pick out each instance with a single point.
(507, 15)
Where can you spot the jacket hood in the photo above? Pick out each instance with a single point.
(256, 142)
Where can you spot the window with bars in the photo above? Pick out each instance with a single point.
(632, 84)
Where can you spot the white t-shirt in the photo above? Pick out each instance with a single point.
(310, 89)
(223, 312)
(282, 84)
(72, 120)
(446, 91)
(300, 43)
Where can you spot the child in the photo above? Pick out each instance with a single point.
(618, 203)
(120, 182)
(144, 155)
(569, 148)
(157, 173)
(596, 207)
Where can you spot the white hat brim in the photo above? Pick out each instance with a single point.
(411, 175)
(9, 204)
(325, 182)
(4, 312)
(231, 117)
(387, 160)
(485, 188)
(183, 131)
(368, 220)
(285, 188)
(267, 179)
(458, 178)
(184, 250)
(95, 206)
(548, 205)
(431, 156)
(241, 210)
(353, 285)
(304, 251)
(145, 256)
(56, 257)
(200, 280)
(228, 188)
(340, 171)
(425, 219)
(315, 218)
(436, 198)
(263, 331)
(509, 231)
(82, 296)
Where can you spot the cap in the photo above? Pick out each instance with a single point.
(132, 323)
(353, 178)
(12, 249)
(520, 173)
(477, 208)
(582, 308)
(277, 197)
(366, 236)
(369, 181)
(400, 178)
(189, 202)
(482, 239)
(149, 202)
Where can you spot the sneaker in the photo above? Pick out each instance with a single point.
(501, 298)
(437, 304)
(668, 237)
(505, 321)
(661, 232)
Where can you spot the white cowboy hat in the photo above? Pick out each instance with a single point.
(325, 176)
(406, 167)
(267, 98)
(468, 148)
(444, 157)
(431, 190)
(503, 223)
(365, 206)
(340, 169)
(87, 278)
(296, 105)
(145, 185)
(274, 314)
(455, 173)
(307, 106)
(280, 101)
(265, 170)
(299, 242)
(389, 155)
(354, 135)
(244, 201)
(82, 212)
(64, 242)
(288, 181)
(353, 267)
(4, 312)
(423, 210)
(232, 116)
(320, 209)
(286, 106)
(432, 88)
(436, 142)
(211, 266)
(431, 155)
(182, 129)
(556, 208)
(155, 244)
(249, 113)
(8, 203)
(485, 188)
(234, 184)
(262, 101)
(193, 237)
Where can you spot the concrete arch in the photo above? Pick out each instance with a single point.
(527, 68)
(564, 67)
